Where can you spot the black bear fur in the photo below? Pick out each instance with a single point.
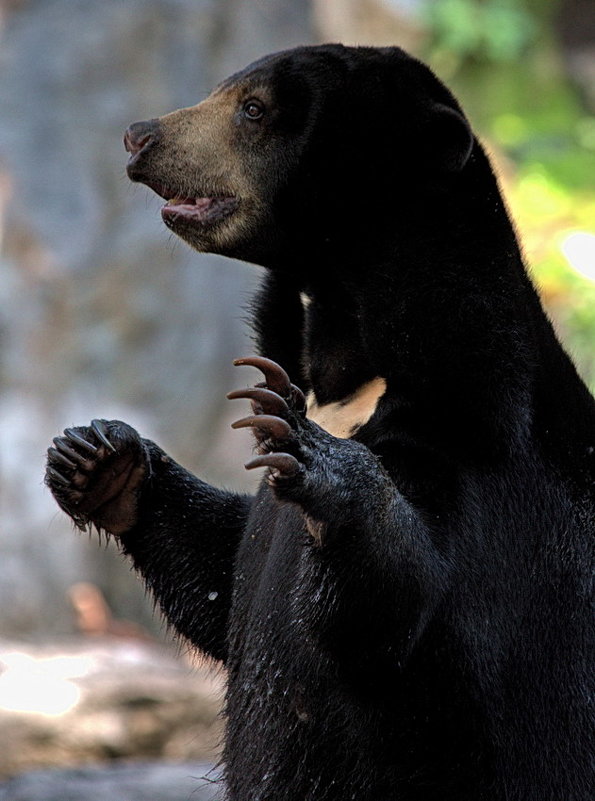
(405, 614)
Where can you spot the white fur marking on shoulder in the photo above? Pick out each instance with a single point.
(343, 418)
(306, 300)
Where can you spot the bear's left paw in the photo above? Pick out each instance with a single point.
(333, 480)
(278, 421)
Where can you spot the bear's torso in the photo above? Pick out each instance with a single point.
(452, 719)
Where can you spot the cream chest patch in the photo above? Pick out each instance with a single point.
(343, 418)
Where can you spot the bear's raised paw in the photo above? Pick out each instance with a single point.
(96, 472)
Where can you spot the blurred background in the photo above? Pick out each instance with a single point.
(103, 314)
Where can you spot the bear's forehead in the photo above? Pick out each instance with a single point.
(324, 68)
(258, 81)
(259, 72)
(297, 61)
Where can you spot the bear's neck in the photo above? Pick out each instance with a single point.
(388, 293)
(444, 314)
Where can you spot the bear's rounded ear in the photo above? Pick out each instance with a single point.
(451, 138)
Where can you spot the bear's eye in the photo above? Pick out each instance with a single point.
(253, 109)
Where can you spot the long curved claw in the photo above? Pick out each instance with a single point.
(298, 398)
(76, 439)
(63, 448)
(55, 455)
(99, 431)
(58, 476)
(272, 426)
(276, 377)
(77, 460)
(283, 464)
(269, 401)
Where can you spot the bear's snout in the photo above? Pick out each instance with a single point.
(140, 135)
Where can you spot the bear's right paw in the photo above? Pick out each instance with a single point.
(96, 472)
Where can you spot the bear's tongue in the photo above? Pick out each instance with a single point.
(192, 205)
(198, 209)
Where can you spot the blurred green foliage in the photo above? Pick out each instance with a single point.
(503, 60)
(496, 29)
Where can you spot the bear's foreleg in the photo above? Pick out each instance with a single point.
(370, 569)
(181, 533)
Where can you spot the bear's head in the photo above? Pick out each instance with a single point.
(304, 146)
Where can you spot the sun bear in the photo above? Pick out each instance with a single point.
(404, 606)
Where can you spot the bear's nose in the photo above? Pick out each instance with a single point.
(139, 135)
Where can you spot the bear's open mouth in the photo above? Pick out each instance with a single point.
(203, 210)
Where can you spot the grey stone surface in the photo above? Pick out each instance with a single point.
(135, 782)
(103, 699)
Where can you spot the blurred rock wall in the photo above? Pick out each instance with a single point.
(102, 314)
